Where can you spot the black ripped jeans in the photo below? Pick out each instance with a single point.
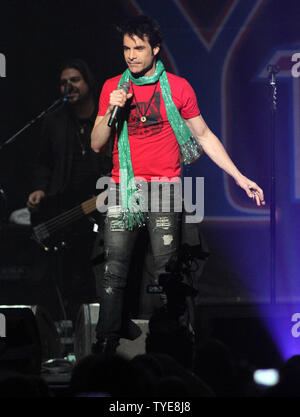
(164, 228)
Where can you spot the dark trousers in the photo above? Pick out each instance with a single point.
(164, 230)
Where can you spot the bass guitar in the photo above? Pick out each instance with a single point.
(46, 233)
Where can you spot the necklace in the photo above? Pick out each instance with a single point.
(81, 138)
(143, 117)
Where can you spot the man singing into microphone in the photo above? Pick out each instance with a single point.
(159, 126)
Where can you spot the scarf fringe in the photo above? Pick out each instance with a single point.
(131, 219)
(191, 150)
(133, 216)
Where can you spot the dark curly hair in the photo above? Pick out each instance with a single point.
(142, 26)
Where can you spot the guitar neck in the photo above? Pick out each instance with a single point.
(93, 203)
(44, 230)
(88, 206)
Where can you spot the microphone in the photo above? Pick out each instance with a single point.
(272, 70)
(116, 110)
(68, 89)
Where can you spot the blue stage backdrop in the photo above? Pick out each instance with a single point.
(222, 47)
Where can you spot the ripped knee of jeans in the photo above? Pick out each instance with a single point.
(109, 290)
(167, 239)
(164, 224)
(115, 276)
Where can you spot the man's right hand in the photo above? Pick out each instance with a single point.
(118, 98)
(34, 199)
(101, 132)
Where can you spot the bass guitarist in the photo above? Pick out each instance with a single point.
(65, 162)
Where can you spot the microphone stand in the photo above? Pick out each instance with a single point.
(273, 70)
(61, 100)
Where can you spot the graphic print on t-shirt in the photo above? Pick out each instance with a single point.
(152, 125)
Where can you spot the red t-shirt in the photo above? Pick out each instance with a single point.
(153, 146)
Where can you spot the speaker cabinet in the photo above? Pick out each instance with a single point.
(50, 339)
(85, 334)
(85, 326)
(21, 348)
(28, 337)
(131, 348)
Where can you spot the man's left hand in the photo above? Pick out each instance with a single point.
(252, 190)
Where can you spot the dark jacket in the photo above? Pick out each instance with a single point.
(54, 160)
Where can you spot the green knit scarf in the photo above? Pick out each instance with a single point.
(132, 204)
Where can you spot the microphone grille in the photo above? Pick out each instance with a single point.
(124, 86)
